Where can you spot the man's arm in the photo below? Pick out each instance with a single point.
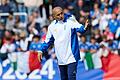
(79, 27)
(82, 28)
(48, 41)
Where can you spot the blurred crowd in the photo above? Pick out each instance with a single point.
(20, 33)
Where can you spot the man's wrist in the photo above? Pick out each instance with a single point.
(84, 28)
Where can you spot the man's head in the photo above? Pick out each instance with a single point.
(57, 13)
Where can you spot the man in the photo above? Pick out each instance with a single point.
(63, 33)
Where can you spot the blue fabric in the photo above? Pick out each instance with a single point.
(68, 72)
(5, 8)
(94, 74)
(81, 29)
(45, 45)
(113, 25)
(22, 8)
(83, 46)
(74, 41)
(35, 46)
(94, 46)
(113, 46)
(91, 13)
(66, 16)
(82, 74)
(63, 72)
(17, 45)
(72, 70)
(74, 44)
(103, 6)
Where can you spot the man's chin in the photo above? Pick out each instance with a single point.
(61, 19)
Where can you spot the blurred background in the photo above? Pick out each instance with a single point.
(24, 24)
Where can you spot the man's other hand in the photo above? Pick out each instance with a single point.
(86, 23)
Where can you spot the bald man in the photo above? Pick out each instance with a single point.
(62, 32)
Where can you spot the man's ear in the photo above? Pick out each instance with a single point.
(53, 16)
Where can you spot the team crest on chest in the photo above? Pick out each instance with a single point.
(55, 30)
(64, 27)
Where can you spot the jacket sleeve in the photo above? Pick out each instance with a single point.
(75, 24)
(48, 41)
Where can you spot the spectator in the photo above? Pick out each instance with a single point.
(113, 46)
(44, 32)
(113, 23)
(95, 14)
(97, 36)
(104, 41)
(18, 25)
(17, 42)
(10, 21)
(104, 4)
(94, 47)
(24, 41)
(83, 46)
(5, 8)
(104, 20)
(108, 34)
(8, 47)
(33, 25)
(104, 53)
(32, 4)
(47, 4)
(39, 19)
(12, 4)
(79, 10)
(21, 8)
(117, 9)
(35, 44)
(7, 34)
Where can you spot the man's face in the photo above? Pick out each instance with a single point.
(58, 14)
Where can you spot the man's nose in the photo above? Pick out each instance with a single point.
(60, 15)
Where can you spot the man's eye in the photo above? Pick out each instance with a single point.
(59, 14)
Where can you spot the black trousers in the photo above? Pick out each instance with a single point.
(68, 72)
